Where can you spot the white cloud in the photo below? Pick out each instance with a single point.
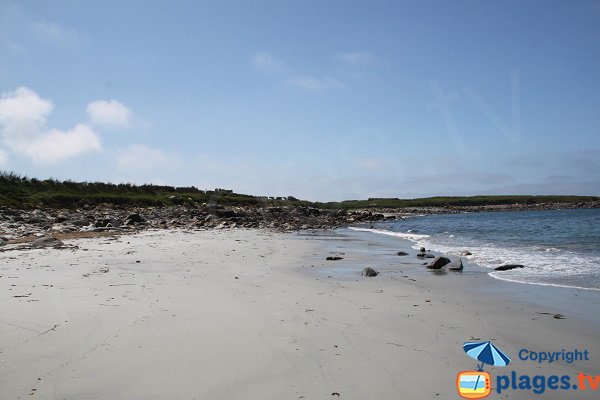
(265, 62)
(3, 158)
(315, 84)
(139, 157)
(57, 145)
(357, 57)
(109, 114)
(23, 118)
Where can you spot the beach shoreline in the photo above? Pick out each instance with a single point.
(228, 314)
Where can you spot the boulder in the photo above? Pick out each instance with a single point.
(134, 217)
(425, 255)
(422, 250)
(46, 241)
(401, 253)
(81, 222)
(60, 218)
(369, 272)
(456, 266)
(508, 267)
(2, 242)
(438, 262)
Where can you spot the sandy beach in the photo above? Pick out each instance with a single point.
(252, 314)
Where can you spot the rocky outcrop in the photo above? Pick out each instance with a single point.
(19, 223)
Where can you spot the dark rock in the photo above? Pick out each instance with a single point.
(334, 258)
(225, 213)
(438, 262)
(422, 250)
(2, 242)
(456, 266)
(134, 217)
(558, 316)
(46, 241)
(60, 218)
(401, 253)
(466, 253)
(508, 267)
(369, 272)
(81, 222)
(425, 255)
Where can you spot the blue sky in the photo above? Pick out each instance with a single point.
(323, 100)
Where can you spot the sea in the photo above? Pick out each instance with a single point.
(557, 247)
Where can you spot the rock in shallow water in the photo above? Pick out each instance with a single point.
(456, 266)
(401, 253)
(369, 272)
(508, 267)
(438, 262)
(425, 255)
(334, 258)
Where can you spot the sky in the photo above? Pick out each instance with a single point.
(322, 100)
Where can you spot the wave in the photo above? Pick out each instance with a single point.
(403, 235)
(545, 266)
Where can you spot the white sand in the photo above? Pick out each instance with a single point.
(179, 325)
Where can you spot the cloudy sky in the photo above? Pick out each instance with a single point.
(323, 100)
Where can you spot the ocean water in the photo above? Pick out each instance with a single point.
(557, 247)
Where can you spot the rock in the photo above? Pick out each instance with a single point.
(401, 253)
(558, 316)
(425, 255)
(508, 267)
(60, 218)
(456, 266)
(466, 253)
(81, 222)
(369, 272)
(2, 242)
(438, 262)
(334, 258)
(422, 250)
(46, 241)
(134, 217)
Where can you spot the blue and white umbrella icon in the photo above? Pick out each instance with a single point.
(487, 353)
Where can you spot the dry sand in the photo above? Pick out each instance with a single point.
(248, 314)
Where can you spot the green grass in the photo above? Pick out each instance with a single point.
(459, 201)
(20, 191)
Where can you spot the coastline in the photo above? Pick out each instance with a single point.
(583, 303)
(228, 314)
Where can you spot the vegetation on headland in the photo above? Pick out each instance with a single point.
(460, 201)
(20, 191)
